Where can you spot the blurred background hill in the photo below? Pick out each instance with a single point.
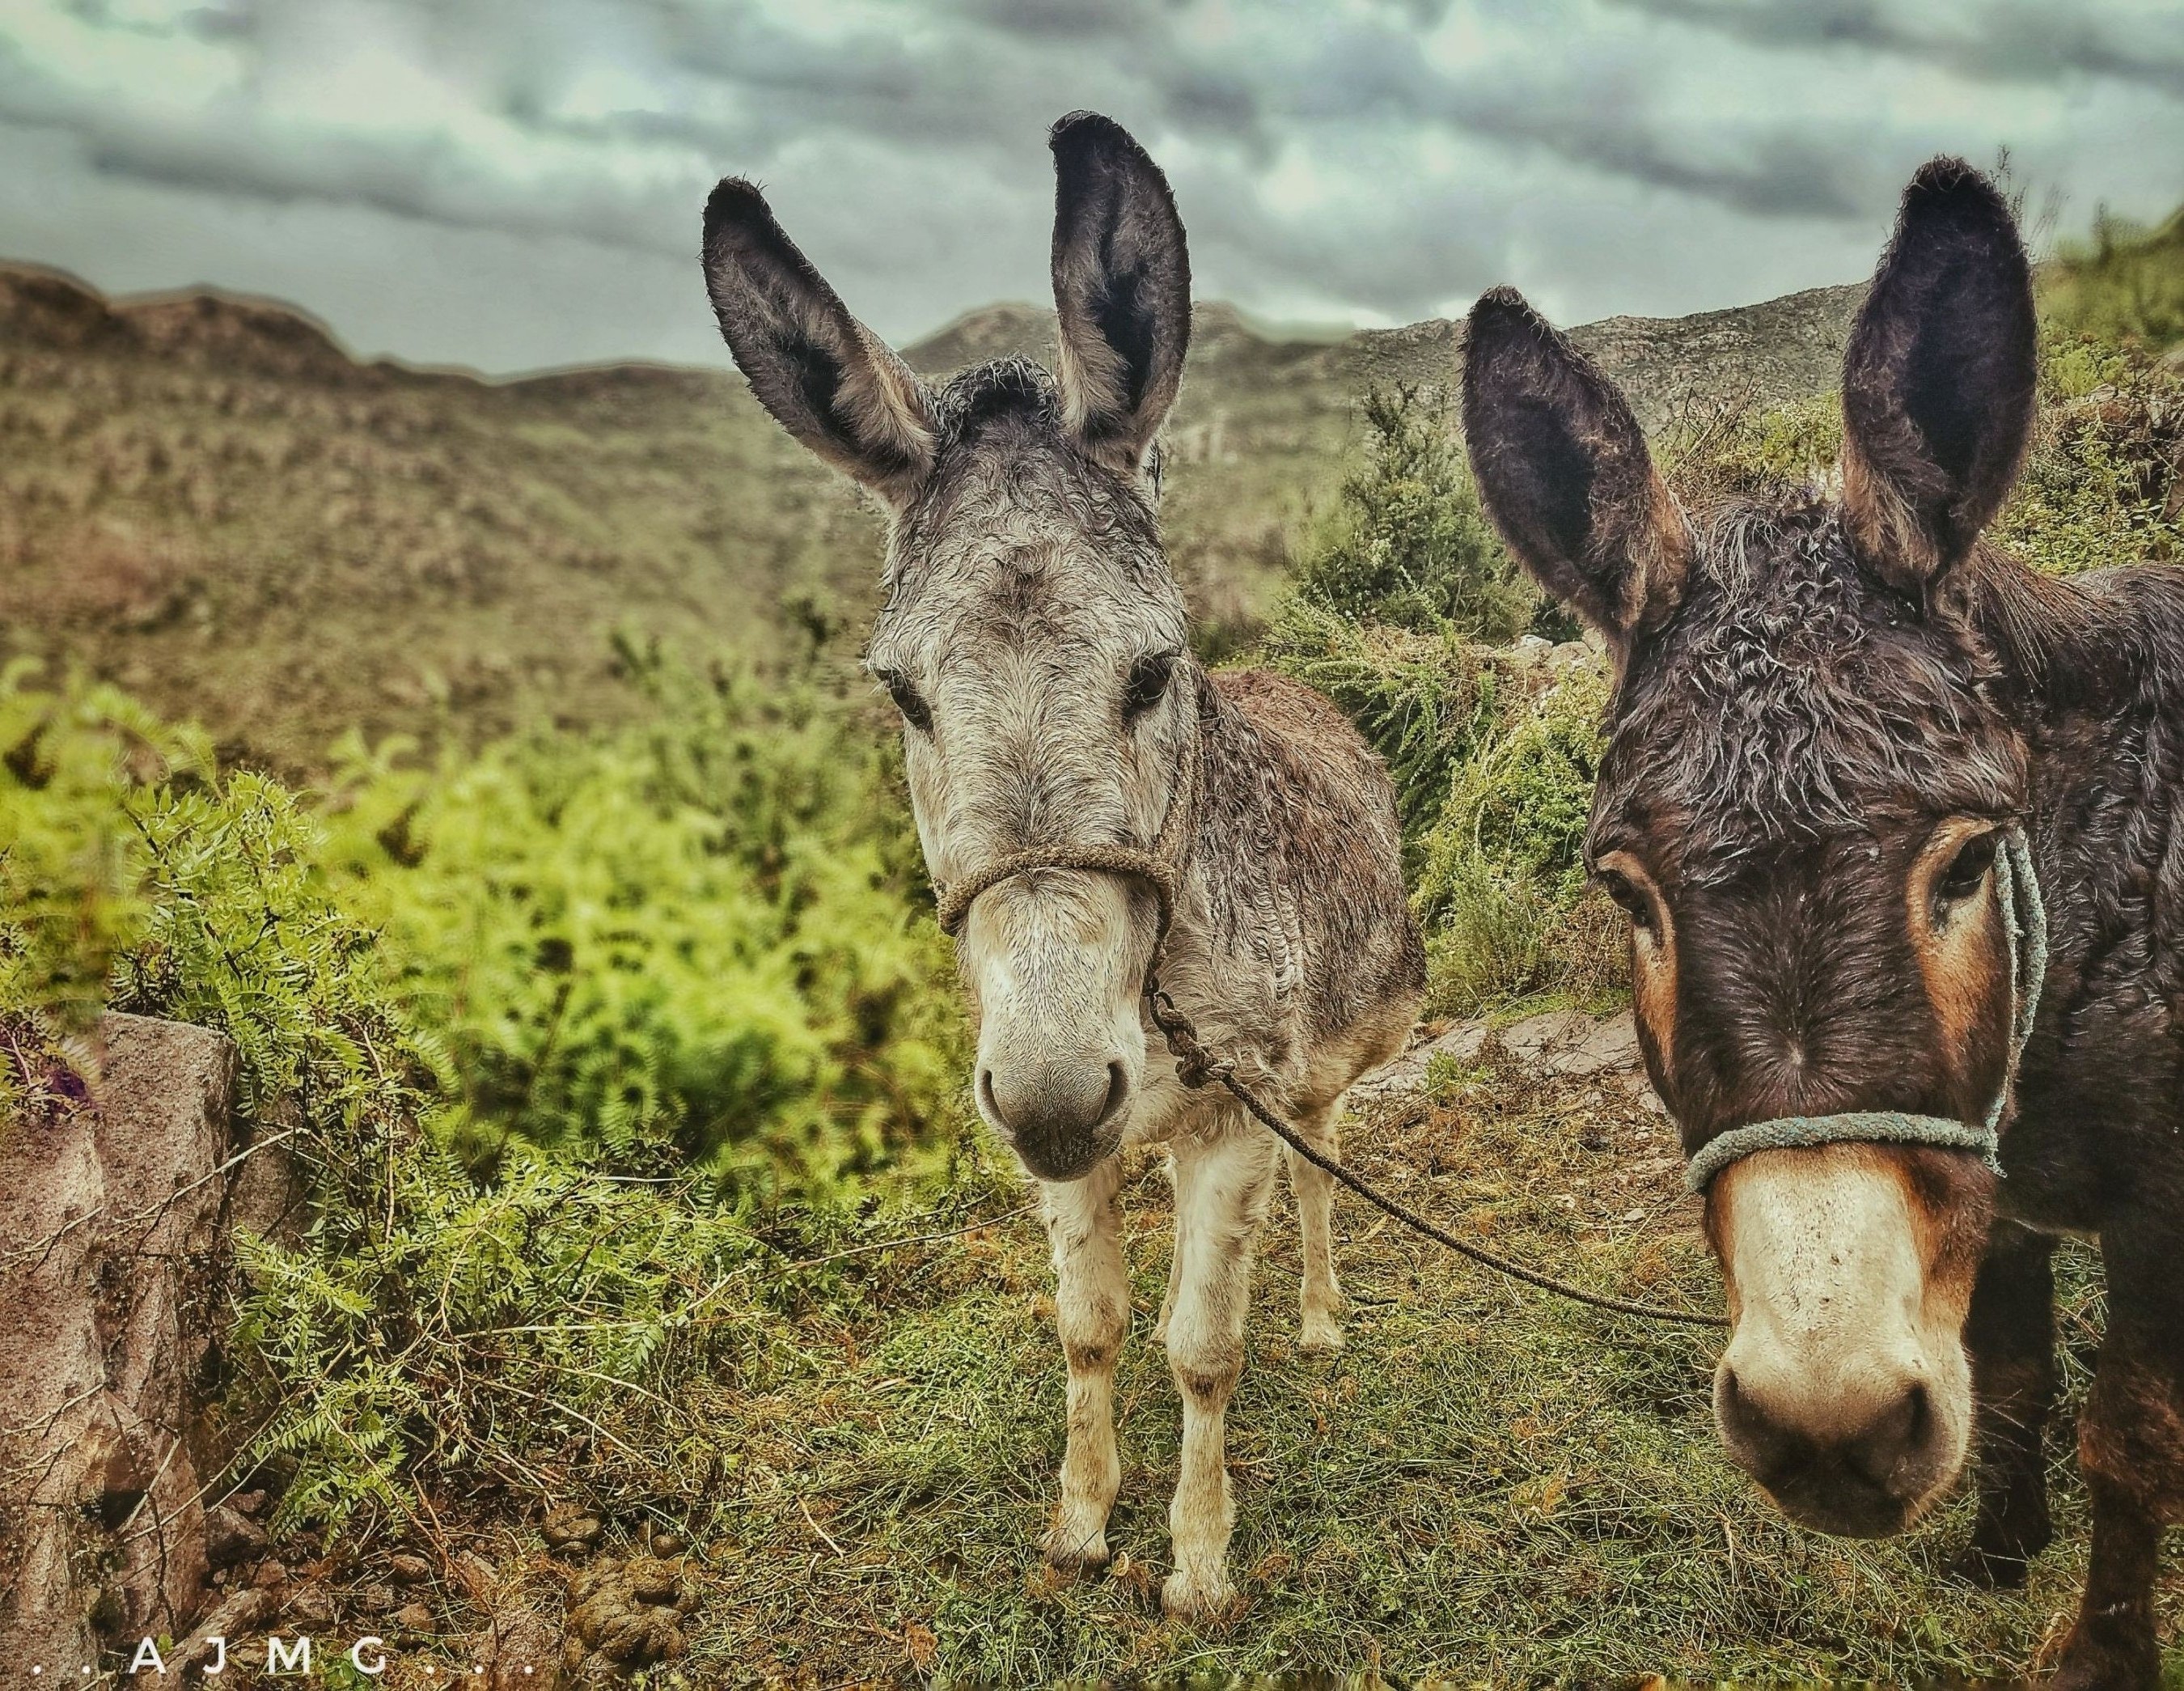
(206, 499)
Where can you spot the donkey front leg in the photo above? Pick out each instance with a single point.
(2011, 1335)
(2131, 1445)
(1092, 1304)
(1223, 1190)
(1321, 1303)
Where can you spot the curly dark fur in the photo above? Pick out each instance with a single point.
(1820, 690)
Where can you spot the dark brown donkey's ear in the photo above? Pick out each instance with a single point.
(1563, 470)
(1938, 380)
(828, 379)
(1121, 285)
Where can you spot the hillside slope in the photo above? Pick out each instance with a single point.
(206, 499)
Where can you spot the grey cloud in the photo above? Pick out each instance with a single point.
(908, 159)
(2021, 41)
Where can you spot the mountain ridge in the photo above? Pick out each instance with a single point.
(205, 497)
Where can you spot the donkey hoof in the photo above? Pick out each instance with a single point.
(1075, 1547)
(1996, 1570)
(2108, 1665)
(1202, 1595)
(1321, 1332)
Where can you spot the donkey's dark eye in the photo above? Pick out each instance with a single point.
(1149, 679)
(1624, 891)
(906, 700)
(1965, 873)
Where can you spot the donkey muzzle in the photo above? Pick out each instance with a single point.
(1858, 1466)
(1063, 1114)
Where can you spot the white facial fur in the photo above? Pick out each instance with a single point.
(1844, 1387)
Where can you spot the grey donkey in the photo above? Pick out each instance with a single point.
(1034, 640)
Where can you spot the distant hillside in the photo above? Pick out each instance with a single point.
(208, 500)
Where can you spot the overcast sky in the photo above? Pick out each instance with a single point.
(516, 183)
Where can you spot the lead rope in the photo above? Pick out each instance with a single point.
(1196, 1067)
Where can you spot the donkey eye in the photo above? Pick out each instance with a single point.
(1965, 874)
(906, 700)
(1149, 679)
(1624, 891)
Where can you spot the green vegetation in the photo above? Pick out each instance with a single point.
(2125, 285)
(1406, 544)
(452, 1320)
(691, 942)
(1403, 596)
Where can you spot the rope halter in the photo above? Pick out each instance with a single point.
(1161, 867)
(2025, 920)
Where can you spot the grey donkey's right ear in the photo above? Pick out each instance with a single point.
(1121, 287)
(1563, 470)
(826, 379)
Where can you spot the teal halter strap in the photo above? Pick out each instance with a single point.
(2025, 918)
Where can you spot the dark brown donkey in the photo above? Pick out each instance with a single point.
(1829, 713)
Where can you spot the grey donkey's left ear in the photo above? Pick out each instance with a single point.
(1121, 285)
(826, 377)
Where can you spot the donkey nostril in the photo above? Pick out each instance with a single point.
(1759, 1443)
(986, 1098)
(1899, 1433)
(1118, 1093)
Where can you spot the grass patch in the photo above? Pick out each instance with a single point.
(1487, 1485)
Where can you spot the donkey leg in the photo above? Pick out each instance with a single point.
(2131, 1445)
(1321, 1303)
(1092, 1304)
(2010, 1333)
(1223, 1190)
(1175, 1256)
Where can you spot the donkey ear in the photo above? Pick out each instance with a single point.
(1563, 470)
(1938, 379)
(826, 379)
(1121, 285)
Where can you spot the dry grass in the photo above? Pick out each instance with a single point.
(1487, 1485)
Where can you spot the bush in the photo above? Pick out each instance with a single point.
(1407, 543)
(2126, 286)
(1421, 701)
(70, 862)
(449, 1322)
(2104, 480)
(1501, 891)
(691, 942)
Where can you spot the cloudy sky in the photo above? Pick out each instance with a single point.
(516, 183)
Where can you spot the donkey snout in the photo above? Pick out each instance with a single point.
(1857, 1461)
(1062, 1114)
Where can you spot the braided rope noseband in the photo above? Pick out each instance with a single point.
(2024, 919)
(1162, 867)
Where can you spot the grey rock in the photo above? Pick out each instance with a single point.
(231, 1536)
(112, 1241)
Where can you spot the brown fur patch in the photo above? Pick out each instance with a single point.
(1652, 965)
(1961, 960)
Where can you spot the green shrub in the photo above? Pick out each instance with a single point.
(2104, 480)
(1421, 701)
(2126, 286)
(448, 1321)
(1501, 891)
(427, 1331)
(692, 942)
(71, 863)
(1407, 543)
